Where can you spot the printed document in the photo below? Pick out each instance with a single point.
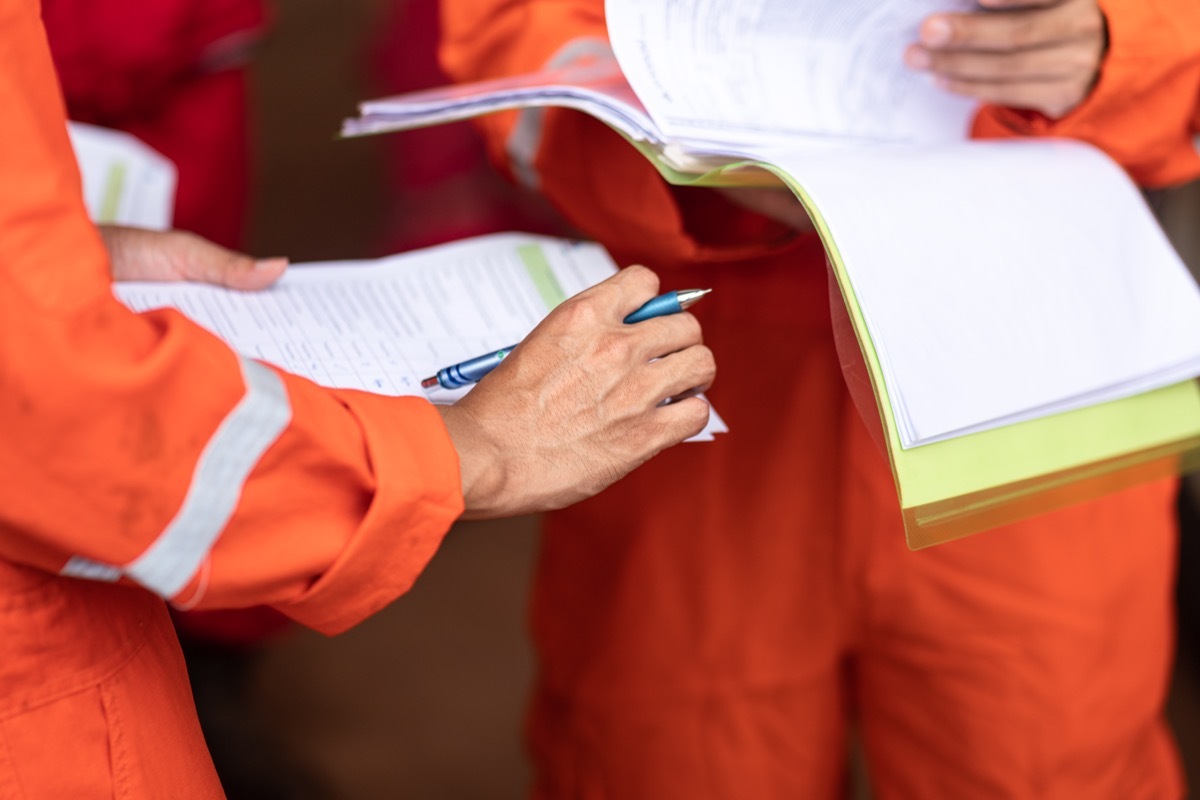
(382, 326)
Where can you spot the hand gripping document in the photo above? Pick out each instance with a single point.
(1013, 322)
(381, 326)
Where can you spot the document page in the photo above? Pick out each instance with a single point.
(738, 71)
(1003, 281)
(382, 326)
(125, 182)
(598, 89)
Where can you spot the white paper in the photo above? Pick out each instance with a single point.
(124, 181)
(1032, 280)
(744, 71)
(382, 326)
(597, 88)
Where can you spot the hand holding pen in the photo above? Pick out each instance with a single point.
(464, 373)
(579, 403)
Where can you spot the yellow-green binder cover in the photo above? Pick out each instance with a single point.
(953, 488)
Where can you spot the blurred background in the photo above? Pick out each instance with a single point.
(425, 700)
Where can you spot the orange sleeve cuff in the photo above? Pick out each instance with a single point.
(417, 497)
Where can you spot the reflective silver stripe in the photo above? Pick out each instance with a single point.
(235, 447)
(526, 137)
(91, 570)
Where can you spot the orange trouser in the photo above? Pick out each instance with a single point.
(717, 624)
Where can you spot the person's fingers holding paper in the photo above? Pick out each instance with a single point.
(1038, 54)
(137, 254)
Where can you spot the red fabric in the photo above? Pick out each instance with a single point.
(172, 73)
(715, 624)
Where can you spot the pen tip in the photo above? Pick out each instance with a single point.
(429, 383)
(688, 297)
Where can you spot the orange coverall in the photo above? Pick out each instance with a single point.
(716, 624)
(139, 456)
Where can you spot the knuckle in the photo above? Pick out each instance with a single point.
(578, 312)
(643, 275)
(613, 347)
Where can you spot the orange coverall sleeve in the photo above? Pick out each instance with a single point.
(140, 448)
(1143, 109)
(601, 184)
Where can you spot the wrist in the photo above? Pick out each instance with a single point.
(480, 466)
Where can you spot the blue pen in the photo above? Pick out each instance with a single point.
(473, 370)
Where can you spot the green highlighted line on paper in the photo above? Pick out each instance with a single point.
(542, 275)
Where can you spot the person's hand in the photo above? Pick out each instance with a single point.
(579, 404)
(1043, 55)
(779, 204)
(142, 255)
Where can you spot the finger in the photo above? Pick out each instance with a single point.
(635, 285)
(202, 260)
(609, 301)
(1015, 30)
(136, 254)
(1047, 63)
(1006, 4)
(678, 421)
(661, 336)
(1053, 98)
(692, 369)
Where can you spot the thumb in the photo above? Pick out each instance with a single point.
(201, 260)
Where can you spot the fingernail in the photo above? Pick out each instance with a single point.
(936, 31)
(917, 58)
(264, 264)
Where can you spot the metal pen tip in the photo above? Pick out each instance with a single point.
(689, 296)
